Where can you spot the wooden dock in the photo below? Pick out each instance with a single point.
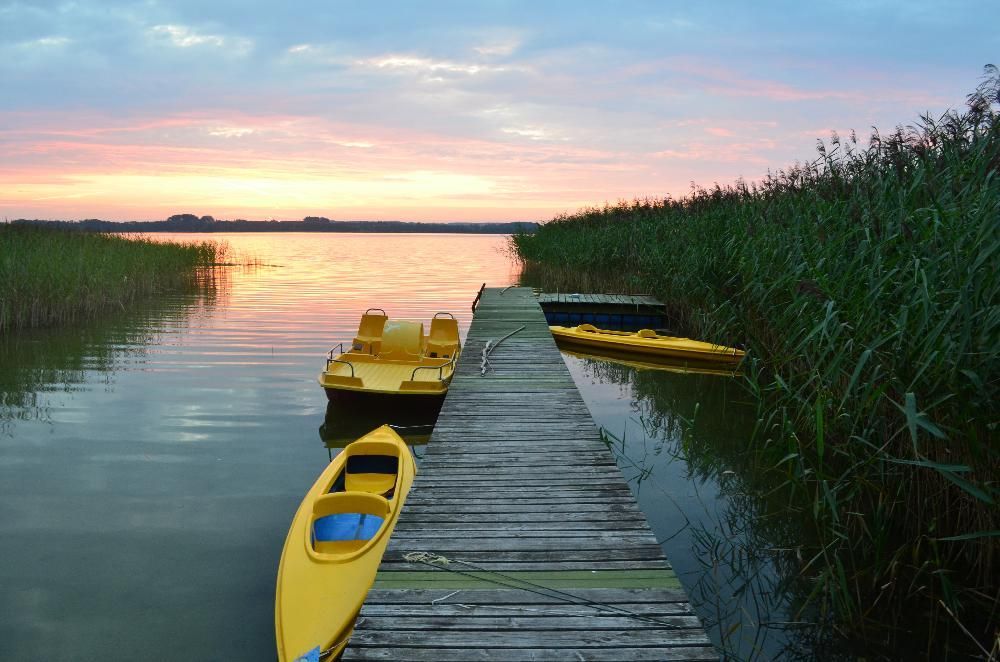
(636, 300)
(629, 312)
(549, 556)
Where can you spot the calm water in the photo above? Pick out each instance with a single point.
(679, 439)
(150, 463)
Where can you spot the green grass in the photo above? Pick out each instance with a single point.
(51, 276)
(865, 287)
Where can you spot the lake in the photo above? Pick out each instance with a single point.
(151, 461)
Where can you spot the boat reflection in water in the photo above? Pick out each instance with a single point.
(349, 418)
(680, 366)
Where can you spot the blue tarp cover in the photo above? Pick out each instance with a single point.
(346, 526)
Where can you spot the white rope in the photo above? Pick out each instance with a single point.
(489, 347)
(426, 557)
(497, 577)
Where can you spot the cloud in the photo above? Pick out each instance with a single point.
(498, 49)
(47, 42)
(427, 65)
(182, 36)
(230, 131)
(527, 132)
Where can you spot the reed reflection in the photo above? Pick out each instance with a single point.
(37, 364)
(723, 520)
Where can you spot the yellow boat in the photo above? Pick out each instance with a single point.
(394, 357)
(335, 545)
(646, 342)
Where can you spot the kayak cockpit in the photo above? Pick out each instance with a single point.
(344, 523)
(357, 501)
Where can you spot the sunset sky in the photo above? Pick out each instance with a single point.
(448, 110)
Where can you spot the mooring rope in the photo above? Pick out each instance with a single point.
(442, 562)
(490, 346)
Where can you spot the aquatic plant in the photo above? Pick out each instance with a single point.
(56, 276)
(864, 285)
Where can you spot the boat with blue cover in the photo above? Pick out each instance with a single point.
(335, 545)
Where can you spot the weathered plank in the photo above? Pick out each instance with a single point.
(471, 654)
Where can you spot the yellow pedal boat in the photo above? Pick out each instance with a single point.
(394, 357)
(336, 543)
(646, 342)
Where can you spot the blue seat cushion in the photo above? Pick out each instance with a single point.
(346, 526)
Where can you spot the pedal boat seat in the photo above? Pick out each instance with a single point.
(369, 336)
(443, 339)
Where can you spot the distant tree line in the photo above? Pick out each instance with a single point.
(193, 223)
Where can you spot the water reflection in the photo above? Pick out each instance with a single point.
(723, 522)
(37, 363)
(154, 459)
(350, 417)
(680, 366)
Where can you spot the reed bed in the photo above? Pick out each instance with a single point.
(865, 286)
(55, 276)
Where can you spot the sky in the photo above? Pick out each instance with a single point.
(449, 111)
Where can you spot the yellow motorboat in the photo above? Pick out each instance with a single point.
(646, 342)
(394, 357)
(336, 543)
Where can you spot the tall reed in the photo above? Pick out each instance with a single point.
(54, 276)
(865, 286)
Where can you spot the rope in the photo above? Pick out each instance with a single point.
(490, 346)
(333, 647)
(442, 563)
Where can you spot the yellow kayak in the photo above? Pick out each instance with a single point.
(335, 545)
(394, 357)
(646, 342)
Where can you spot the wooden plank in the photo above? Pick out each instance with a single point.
(395, 564)
(433, 654)
(540, 638)
(568, 610)
(569, 582)
(649, 596)
(591, 622)
(523, 528)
